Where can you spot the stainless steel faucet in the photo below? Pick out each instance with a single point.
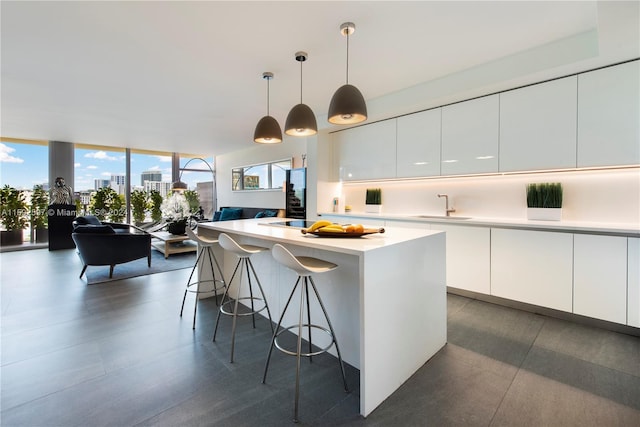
(446, 199)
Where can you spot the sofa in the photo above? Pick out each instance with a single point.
(104, 243)
(228, 213)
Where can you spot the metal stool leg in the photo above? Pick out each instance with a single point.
(225, 295)
(333, 334)
(188, 282)
(275, 333)
(299, 347)
(264, 297)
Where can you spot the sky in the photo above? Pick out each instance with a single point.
(24, 165)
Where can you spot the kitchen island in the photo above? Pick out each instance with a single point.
(386, 300)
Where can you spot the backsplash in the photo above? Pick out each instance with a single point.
(606, 196)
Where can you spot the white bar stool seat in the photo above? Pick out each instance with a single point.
(230, 307)
(205, 245)
(304, 266)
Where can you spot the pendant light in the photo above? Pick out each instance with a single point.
(301, 121)
(347, 104)
(267, 130)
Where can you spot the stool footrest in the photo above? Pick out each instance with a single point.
(247, 313)
(295, 353)
(214, 289)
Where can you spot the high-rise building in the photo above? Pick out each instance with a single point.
(101, 183)
(118, 179)
(152, 175)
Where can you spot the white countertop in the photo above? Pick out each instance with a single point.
(616, 229)
(261, 229)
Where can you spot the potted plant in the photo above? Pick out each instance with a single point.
(373, 200)
(39, 205)
(175, 209)
(156, 203)
(544, 201)
(13, 215)
(139, 201)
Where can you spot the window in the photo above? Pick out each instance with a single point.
(264, 176)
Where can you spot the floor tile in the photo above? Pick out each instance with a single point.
(610, 349)
(555, 389)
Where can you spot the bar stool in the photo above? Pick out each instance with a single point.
(206, 246)
(304, 266)
(230, 307)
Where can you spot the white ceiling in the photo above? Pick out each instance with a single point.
(186, 76)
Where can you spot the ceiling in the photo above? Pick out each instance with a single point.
(187, 76)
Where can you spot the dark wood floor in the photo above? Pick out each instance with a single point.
(118, 354)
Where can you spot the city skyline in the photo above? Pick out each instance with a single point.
(25, 165)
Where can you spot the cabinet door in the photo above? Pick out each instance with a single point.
(418, 147)
(535, 267)
(609, 116)
(366, 152)
(470, 136)
(538, 126)
(468, 257)
(633, 282)
(600, 277)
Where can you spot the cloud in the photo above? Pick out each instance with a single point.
(77, 165)
(92, 167)
(164, 159)
(101, 155)
(6, 157)
(154, 168)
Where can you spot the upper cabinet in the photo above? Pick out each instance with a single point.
(470, 136)
(418, 145)
(366, 152)
(609, 116)
(538, 126)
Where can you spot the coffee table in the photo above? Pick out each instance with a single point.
(168, 243)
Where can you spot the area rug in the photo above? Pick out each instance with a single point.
(100, 273)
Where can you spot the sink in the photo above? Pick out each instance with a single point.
(442, 217)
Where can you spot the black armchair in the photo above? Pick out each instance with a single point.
(109, 244)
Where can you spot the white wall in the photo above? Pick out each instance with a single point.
(290, 148)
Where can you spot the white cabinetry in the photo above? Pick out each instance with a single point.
(609, 116)
(600, 277)
(366, 152)
(538, 126)
(470, 136)
(468, 257)
(633, 282)
(418, 149)
(534, 267)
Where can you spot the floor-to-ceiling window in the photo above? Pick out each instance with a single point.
(24, 168)
(150, 172)
(96, 168)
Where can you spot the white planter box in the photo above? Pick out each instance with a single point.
(373, 208)
(544, 214)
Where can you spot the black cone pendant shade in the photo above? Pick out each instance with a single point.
(301, 121)
(267, 130)
(347, 104)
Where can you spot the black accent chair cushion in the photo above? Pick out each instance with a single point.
(96, 229)
(87, 219)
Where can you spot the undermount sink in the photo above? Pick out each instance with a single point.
(442, 217)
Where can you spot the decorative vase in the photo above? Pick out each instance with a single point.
(11, 238)
(42, 235)
(544, 214)
(177, 227)
(373, 208)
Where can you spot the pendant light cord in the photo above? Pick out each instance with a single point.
(347, 56)
(301, 82)
(268, 95)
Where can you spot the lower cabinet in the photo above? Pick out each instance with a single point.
(633, 282)
(534, 267)
(468, 257)
(600, 277)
